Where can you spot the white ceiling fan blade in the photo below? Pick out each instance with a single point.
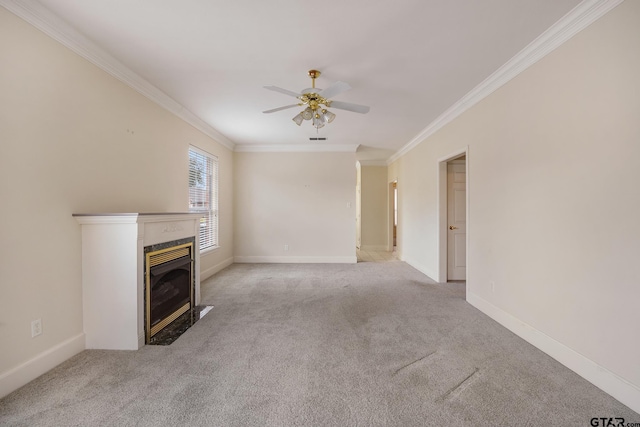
(362, 109)
(334, 89)
(280, 108)
(285, 91)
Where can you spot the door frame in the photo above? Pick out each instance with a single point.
(390, 194)
(442, 211)
(358, 205)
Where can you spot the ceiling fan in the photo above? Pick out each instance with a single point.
(316, 101)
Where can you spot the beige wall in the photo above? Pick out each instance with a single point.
(304, 200)
(74, 139)
(553, 197)
(553, 170)
(374, 207)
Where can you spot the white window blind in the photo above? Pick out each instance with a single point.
(203, 194)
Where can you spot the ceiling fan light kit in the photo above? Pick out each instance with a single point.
(298, 119)
(316, 101)
(307, 114)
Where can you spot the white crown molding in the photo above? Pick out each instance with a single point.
(373, 163)
(289, 148)
(52, 25)
(580, 17)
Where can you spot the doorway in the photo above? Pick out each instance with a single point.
(393, 216)
(456, 220)
(453, 196)
(358, 205)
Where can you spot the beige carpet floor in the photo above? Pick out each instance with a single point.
(367, 344)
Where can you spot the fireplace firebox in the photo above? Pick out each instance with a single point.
(169, 286)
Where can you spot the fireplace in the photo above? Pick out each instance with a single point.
(115, 269)
(168, 286)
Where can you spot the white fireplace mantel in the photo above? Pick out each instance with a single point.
(113, 271)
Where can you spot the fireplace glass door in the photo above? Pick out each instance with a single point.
(169, 286)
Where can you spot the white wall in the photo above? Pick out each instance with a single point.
(554, 167)
(75, 139)
(374, 207)
(304, 200)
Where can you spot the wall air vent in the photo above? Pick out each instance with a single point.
(317, 139)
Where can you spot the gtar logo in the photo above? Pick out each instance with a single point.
(607, 422)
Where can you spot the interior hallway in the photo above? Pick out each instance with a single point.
(376, 256)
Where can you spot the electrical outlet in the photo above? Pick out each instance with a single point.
(286, 247)
(493, 286)
(36, 328)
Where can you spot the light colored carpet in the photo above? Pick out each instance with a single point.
(367, 344)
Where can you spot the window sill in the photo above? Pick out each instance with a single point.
(209, 250)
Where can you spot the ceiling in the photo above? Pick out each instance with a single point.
(409, 60)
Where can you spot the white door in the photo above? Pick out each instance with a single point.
(457, 221)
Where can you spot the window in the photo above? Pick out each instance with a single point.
(203, 194)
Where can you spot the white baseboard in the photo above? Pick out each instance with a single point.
(296, 259)
(205, 274)
(616, 386)
(32, 369)
(373, 248)
(418, 267)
